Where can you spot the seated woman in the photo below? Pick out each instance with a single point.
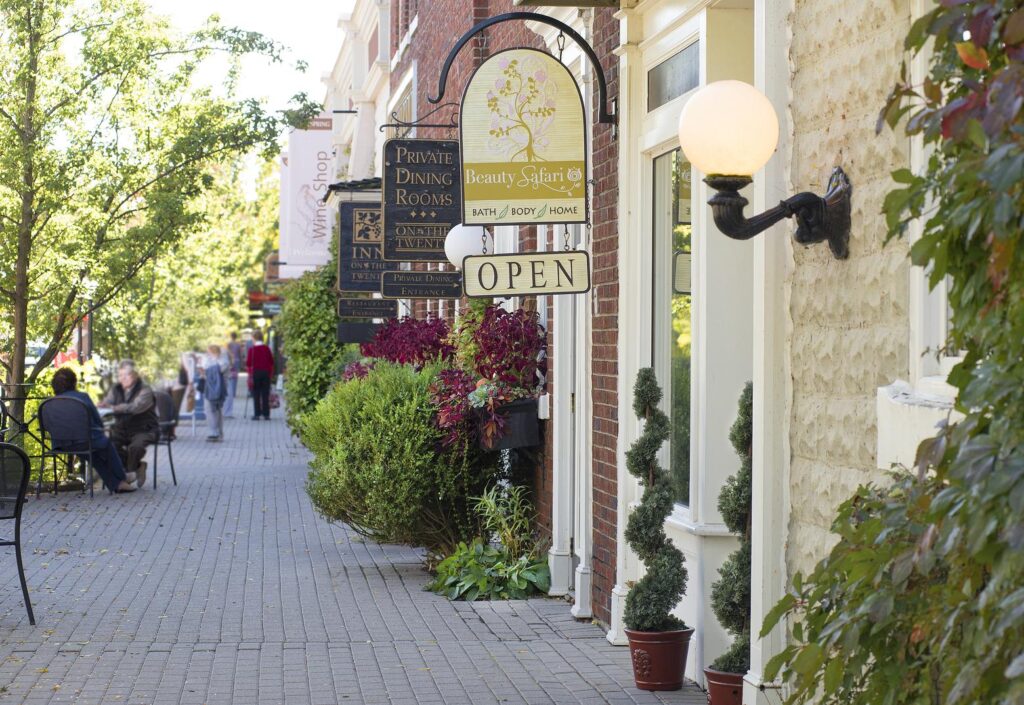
(104, 457)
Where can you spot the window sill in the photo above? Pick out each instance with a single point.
(907, 415)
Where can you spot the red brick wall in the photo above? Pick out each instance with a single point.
(604, 353)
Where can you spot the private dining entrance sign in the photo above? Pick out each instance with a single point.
(422, 198)
(523, 142)
(360, 256)
(526, 274)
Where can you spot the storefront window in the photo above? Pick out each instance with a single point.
(672, 306)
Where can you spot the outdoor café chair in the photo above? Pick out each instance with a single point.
(167, 414)
(65, 421)
(14, 472)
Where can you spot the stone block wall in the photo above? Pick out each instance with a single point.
(850, 322)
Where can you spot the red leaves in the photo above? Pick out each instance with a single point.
(411, 341)
(958, 112)
(972, 55)
(509, 347)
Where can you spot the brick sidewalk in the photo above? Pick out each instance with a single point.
(229, 589)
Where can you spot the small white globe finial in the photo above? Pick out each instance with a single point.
(728, 128)
(464, 241)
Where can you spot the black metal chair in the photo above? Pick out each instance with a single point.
(167, 413)
(66, 422)
(14, 474)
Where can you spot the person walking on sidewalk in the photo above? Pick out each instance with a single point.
(259, 362)
(215, 390)
(234, 367)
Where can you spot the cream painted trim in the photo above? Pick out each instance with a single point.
(773, 326)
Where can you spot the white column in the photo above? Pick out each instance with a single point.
(772, 256)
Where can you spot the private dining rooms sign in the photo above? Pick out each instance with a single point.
(527, 274)
(422, 198)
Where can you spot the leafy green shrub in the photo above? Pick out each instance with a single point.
(379, 467)
(480, 571)
(730, 594)
(650, 602)
(513, 569)
(308, 326)
(921, 598)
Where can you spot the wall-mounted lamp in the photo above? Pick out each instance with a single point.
(465, 241)
(729, 130)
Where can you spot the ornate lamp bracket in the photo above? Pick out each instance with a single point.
(819, 218)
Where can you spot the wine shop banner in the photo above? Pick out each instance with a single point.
(523, 142)
(422, 198)
(360, 256)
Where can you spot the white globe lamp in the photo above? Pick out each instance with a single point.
(465, 241)
(728, 128)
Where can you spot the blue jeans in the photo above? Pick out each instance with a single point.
(229, 403)
(107, 463)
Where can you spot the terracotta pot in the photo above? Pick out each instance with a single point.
(724, 688)
(659, 658)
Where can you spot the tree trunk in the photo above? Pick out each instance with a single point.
(26, 223)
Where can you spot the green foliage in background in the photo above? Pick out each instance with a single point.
(680, 444)
(108, 132)
(651, 600)
(730, 594)
(922, 599)
(379, 467)
(195, 293)
(308, 325)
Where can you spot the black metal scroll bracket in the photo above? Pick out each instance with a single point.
(604, 116)
(399, 123)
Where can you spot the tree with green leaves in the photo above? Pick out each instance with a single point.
(921, 601)
(651, 600)
(195, 292)
(106, 141)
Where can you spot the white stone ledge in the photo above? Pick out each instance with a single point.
(907, 415)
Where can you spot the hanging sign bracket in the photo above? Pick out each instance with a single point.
(604, 116)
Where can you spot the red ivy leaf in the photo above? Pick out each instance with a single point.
(973, 56)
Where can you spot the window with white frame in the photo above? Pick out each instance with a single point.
(671, 327)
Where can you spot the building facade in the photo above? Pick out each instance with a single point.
(841, 353)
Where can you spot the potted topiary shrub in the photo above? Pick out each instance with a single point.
(730, 595)
(658, 641)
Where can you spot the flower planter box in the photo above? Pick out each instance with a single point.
(522, 427)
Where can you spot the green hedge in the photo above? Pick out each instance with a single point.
(378, 465)
(308, 327)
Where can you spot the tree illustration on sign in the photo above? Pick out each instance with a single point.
(522, 107)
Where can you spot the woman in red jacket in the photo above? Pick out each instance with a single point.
(259, 362)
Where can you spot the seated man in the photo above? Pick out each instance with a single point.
(135, 421)
(104, 458)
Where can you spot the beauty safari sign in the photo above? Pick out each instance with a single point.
(523, 142)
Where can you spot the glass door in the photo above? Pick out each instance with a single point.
(673, 302)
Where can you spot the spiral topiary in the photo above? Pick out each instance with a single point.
(650, 601)
(730, 594)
